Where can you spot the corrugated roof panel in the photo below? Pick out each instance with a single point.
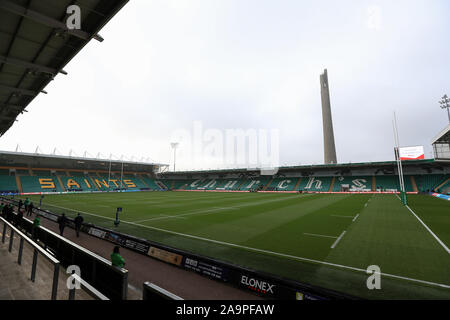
(31, 31)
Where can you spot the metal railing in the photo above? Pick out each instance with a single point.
(37, 250)
(86, 287)
(153, 292)
(98, 271)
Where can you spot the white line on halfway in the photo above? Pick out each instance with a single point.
(337, 240)
(169, 216)
(333, 215)
(184, 214)
(319, 235)
(159, 218)
(273, 253)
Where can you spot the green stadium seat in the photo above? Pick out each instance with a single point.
(85, 183)
(387, 182)
(354, 183)
(40, 184)
(282, 184)
(315, 184)
(8, 183)
(428, 182)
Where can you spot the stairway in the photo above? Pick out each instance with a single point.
(332, 184)
(298, 184)
(442, 184)
(161, 185)
(267, 185)
(414, 184)
(19, 184)
(61, 183)
(143, 181)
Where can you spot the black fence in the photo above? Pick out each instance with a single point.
(260, 283)
(37, 250)
(95, 270)
(153, 292)
(263, 284)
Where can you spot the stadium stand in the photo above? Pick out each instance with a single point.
(351, 183)
(387, 183)
(254, 184)
(444, 187)
(428, 182)
(39, 184)
(315, 184)
(66, 174)
(282, 184)
(45, 181)
(82, 183)
(8, 183)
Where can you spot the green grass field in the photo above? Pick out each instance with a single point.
(322, 239)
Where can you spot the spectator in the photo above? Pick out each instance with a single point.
(30, 209)
(116, 258)
(62, 221)
(3, 210)
(26, 203)
(78, 223)
(19, 219)
(36, 225)
(10, 212)
(19, 206)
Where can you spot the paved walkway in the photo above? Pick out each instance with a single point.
(16, 281)
(185, 284)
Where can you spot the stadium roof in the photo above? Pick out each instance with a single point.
(34, 160)
(35, 45)
(340, 167)
(443, 136)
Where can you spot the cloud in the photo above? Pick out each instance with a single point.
(249, 64)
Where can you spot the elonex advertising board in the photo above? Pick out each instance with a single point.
(412, 153)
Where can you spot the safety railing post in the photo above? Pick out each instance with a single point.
(4, 232)
(34, 265)
(11, 240)
(55, 281)
(19, 256)
(72, 294)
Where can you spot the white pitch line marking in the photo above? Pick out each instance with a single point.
(356, 217)
(169, 216)
(190, 213)
(337, 240)
(429, 230)
(319, 235)
(270, 252)
(350, 217)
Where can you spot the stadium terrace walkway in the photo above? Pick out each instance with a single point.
(185, 284)
(15, 279)
(15, 283)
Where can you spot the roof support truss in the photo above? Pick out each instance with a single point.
(20, 91)
(13, 107)
(45, 20)
(29, 65)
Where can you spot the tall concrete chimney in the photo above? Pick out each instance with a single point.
(328, 133)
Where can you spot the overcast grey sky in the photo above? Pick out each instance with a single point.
(250, 64)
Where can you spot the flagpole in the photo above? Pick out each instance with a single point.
(399, 162)
(109, 172)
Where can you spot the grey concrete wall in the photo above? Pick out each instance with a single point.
(328, 133)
